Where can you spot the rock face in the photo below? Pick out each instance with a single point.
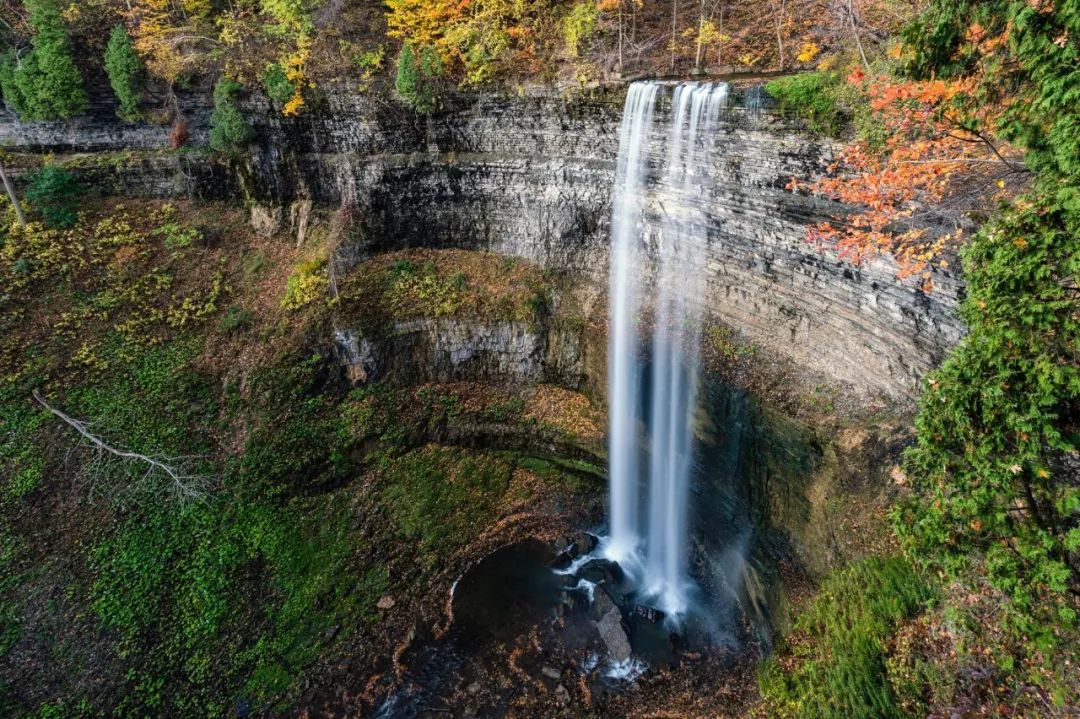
(448, 350)
(533, 176)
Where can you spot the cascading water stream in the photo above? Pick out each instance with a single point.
(624, 375)
(675, 341)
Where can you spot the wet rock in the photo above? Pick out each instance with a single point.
(601, 570)
(614, 635)
(584, 543)
(562, 561)
(561, 544)
(649, 614)
(601, 604)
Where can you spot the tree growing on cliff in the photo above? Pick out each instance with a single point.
(124, 68)
(229, 131)
(416, 77)
(43, 84)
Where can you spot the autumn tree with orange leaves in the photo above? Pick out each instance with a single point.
(930, 174)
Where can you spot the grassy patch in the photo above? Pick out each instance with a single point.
(444, 283)
(443, 497)
(181, 586)
(834, 666)
(810, 96)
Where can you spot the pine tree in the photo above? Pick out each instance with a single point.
(414, 78)
(44, 84)
(229, 131)
(124, 68)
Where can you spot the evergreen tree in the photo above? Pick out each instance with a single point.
(414, 83)
(277, 84)
(54, 193)
(44, 84)
(124, 68)
(229, 131)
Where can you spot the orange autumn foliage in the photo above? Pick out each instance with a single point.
(917, 191)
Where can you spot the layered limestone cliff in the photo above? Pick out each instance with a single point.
(532, 176)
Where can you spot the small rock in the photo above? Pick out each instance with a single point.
(331, 633)
(561, 544)
(562, 561)
(584, 543)
(601, 570)
(386, 602)
(551, 672)
(266, 221)
(473, 688)
(561, 695)
(614, 635)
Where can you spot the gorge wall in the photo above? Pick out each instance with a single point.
(532, 176)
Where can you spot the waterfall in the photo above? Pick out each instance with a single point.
(623, 370)
(654, 542)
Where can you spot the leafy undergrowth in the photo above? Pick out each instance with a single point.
(120, 596)
(834, 664)
(414, 284)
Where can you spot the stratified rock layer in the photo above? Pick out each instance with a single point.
(533, 176)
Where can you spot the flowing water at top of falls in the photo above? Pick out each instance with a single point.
(651, 541)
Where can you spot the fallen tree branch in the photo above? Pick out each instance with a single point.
(187, 486)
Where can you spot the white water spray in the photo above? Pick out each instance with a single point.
(676, 335)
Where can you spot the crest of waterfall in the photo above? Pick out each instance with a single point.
(654, 541)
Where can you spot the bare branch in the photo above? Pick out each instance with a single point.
(186, 486)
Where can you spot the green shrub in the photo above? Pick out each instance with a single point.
(54, 193)
(835, 667)
(235, 320)
(307, 283)
(229, 131)
(812, 97)
(124, 68)
(998, 421)
(415, 83)
(43, 84)
(277, 84)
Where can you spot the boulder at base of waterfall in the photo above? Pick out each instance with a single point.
(562, 561)
(614, 635)
(583, 543)
(601, 604)
(601, 570)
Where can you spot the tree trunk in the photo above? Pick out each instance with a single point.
(701, 30)
(855, 32)
(778, 11)
(674, 29)
(14, 198)
(622, 70)
(720, 44)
